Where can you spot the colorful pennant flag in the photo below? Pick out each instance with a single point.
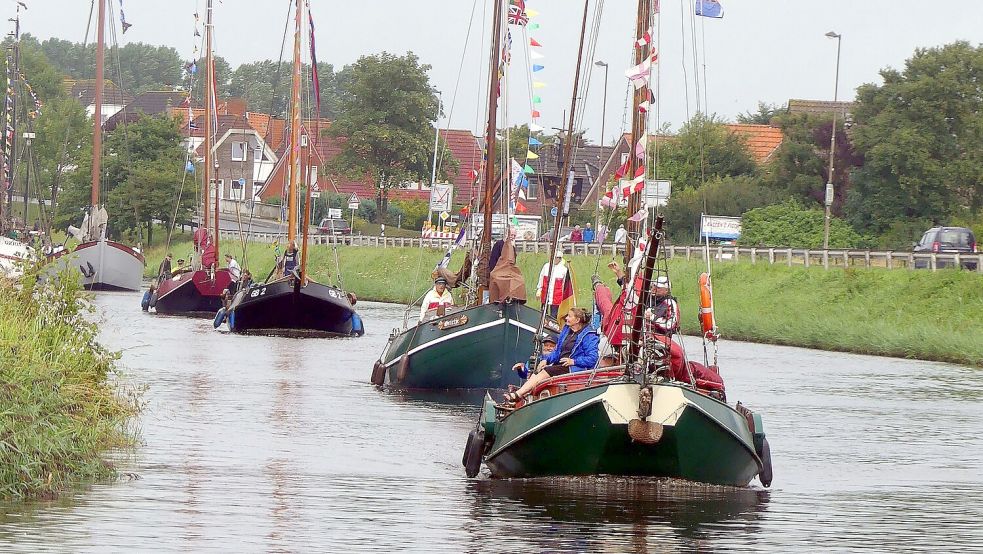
(537, 67)
(645, 39)
(530, 155)
(534, 42)
(533, 141)
(535, 114)
(537, 100)
(538, 84)
(535, 55)
(122, 18)
(528, 170)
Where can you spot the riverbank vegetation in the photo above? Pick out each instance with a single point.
(902, 313)
(60, 412)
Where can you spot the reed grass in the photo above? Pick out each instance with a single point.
(901, 313)
(59, 409)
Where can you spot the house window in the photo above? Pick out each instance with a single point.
(239, 151)
(239, 191)
(533, 189)
(220, 183)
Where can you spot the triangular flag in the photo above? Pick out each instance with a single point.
(536, 67)
(535, 113)
(538, 84)
(533, 141)
(639, 215)
(520, 208)
(533, 42)
(640, 173)
(527, 170)
(530, 155)
(537, 100)
(534, 128)
(640, 146)
(531, 12)
(532, 25)
(646, 38)
(535, 55)
(621, 170)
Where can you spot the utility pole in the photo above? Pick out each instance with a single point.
(832, 143)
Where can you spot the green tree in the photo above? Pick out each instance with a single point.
(792, 225)
(387, 112)
(728, 196)
(153, 142)
(149, 193)
(800, 166)
(265, 86)
(703, 150)
(764, 116)
(921, 136)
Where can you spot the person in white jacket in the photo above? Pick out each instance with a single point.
(554, 295)
(436, 298)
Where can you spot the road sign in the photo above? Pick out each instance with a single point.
(315, 194)
(441, 197)
(353, 202)
(553, 211)
(334, 213)
(444, 216)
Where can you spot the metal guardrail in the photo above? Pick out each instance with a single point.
(786, 256)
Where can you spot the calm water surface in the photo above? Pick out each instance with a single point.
(266, 444)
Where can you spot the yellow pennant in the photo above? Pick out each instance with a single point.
(530, 155)
(537, 84)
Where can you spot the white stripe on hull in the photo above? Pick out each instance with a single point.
(448, 337)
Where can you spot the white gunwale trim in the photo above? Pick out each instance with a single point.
(449, 337)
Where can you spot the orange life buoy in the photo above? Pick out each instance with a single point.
(707, 321)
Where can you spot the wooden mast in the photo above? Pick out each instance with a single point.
(97, 115)
(209, 131)
(294, 133)
(642, 24)
(493, 82)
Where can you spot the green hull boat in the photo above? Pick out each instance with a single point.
(472, 348)
(688, 435)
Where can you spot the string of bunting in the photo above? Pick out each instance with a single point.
(521, 16)
(8, 128)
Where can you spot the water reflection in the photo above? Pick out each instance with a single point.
(605, 513)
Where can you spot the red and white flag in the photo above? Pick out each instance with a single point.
(646, 38)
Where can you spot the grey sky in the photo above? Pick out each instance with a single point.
(767, 50)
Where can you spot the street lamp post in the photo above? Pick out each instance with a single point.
(832, 142)
(604, 109)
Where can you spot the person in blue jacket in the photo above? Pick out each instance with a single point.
(576, 350)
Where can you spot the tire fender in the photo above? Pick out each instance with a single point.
(473, 451)
(766, 472)
(378, 373)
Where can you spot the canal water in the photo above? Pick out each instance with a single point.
(267, 444)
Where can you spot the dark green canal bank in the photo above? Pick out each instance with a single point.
(901, 313)
(60, 412)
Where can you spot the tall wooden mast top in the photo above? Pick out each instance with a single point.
(493, 83)
(97, 115)
(642, 24)
(294, 131)
(209, 131)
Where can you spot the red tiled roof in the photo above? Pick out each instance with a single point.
(762, 140)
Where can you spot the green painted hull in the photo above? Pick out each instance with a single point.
(585, 432)
(477, 354)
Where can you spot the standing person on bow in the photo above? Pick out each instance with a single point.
(235, 273)
(290, 259)
(664, 320)
(164, 271)
(576, 351)
(550, 289)
(438, 297)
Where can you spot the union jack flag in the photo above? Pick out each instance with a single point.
(517, 13)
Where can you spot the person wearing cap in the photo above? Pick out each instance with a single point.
(438, 297)
(549, 345)
(549, 288)
(665, 314)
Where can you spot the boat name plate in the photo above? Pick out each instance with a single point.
(452, 322)
(552, 326)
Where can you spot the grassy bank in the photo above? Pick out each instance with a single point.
(58, 411)
(914, 314)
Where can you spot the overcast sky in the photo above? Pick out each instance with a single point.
(762, 50)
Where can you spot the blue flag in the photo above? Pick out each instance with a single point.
(536, 67)
(534, 142)
(709, 8)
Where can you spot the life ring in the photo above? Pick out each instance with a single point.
(472, 452)
(707, 321)
(378, 374)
